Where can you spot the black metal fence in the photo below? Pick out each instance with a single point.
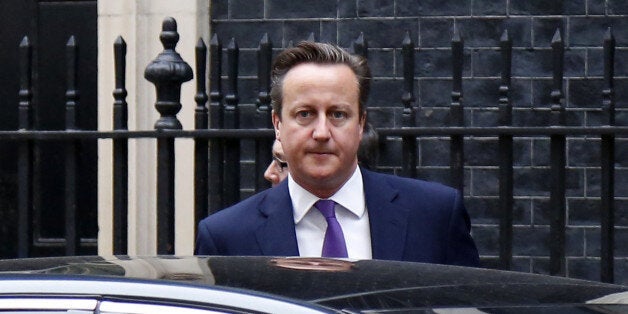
(217, 137)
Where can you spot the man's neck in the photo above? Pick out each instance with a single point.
(350, 196)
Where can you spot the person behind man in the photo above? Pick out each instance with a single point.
(277, 170)
(329, 206)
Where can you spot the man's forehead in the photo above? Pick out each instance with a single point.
(320, 77)
(314, 66)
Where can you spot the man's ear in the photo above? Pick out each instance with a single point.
(362, 122)
(276, 124)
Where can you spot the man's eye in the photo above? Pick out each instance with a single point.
(303, 114)
(339, 115)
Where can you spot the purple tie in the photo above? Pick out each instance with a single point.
(334, 245)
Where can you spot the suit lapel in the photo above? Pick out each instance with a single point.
(276, 235)
(388, 221)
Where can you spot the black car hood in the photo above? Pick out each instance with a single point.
(344, 284)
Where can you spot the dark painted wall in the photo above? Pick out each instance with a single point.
(531, 25)
(11, 32)
(49, 25)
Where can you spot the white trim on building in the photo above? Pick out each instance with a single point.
(139, 23)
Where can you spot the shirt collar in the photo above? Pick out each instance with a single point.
(350, 196)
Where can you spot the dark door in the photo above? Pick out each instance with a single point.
(49, 25)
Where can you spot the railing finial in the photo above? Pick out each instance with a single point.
(557, 106)
(167, 72)
(169, 36)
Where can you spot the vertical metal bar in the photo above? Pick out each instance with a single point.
(360, 46)
(167, 72)
(408, 118)
(232, 121)
(263, 146)
(558, 164)
(165, 195)
(120, 152)
(505, 157)
(216, 121)
(71, 153)
(607, 223)
(201, 153)
(25, 154)
(457, 114)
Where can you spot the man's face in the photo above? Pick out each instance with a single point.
(320, 126)
(277, 171)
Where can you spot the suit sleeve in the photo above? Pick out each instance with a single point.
(461, 249)
(204, 242)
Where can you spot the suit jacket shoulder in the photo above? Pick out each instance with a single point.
(416, 220)
(262, 224)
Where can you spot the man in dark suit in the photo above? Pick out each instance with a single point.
(329, 206)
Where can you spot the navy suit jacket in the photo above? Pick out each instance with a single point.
(411, 220)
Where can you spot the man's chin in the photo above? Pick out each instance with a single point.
(320, 173)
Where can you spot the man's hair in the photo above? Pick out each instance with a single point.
(318, 53)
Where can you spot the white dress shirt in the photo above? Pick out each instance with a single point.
(351, 212)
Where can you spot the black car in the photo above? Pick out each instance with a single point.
(169, 284)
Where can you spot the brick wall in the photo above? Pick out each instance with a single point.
(531, 25)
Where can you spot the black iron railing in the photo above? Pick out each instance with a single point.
(217, 137)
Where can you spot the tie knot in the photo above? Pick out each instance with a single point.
(326, 207)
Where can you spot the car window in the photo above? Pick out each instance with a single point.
(48, 305)
(115, 307)
(47, 312)
(61, 305)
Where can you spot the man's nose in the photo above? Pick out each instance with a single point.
(270, 174)
(321, 129)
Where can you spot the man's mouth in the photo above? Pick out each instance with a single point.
(322, 153)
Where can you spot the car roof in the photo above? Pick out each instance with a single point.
(340, 283)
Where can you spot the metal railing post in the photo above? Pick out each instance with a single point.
(557, 164)
(120, 152)
(506, 157)
(232, 121)
(72, 239)
(457, 112)
(263, 113)
(167, 72)
(216, 121)
(201, 149)
(607, 210)
(25, 154)
(409, 148)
